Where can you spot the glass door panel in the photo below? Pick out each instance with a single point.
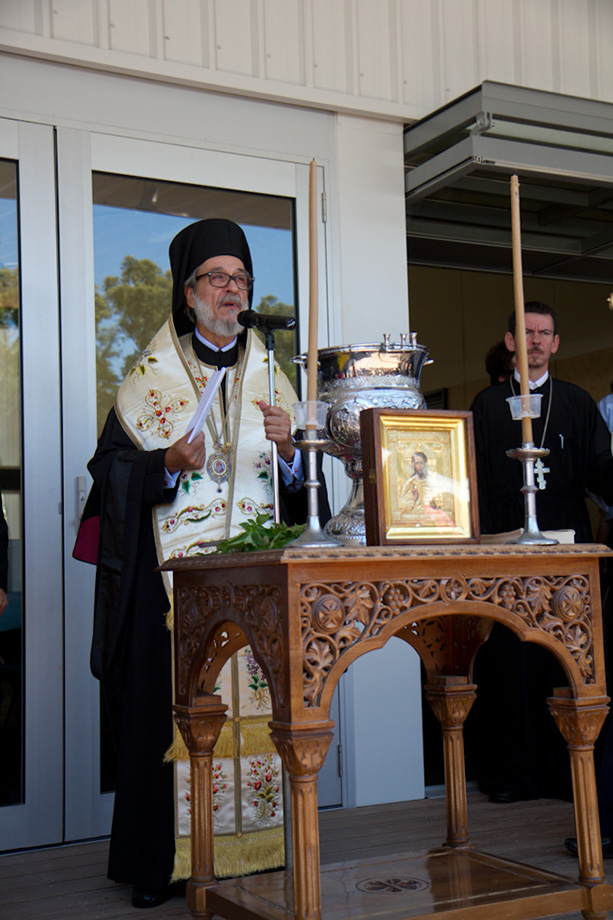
(51, 788)
(135, 219)
(116, 223)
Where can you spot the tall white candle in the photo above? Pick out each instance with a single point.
(520, 317)
(312, 359)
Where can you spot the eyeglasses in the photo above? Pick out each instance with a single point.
(242, 280)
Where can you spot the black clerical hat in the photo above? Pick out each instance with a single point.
(194, 245)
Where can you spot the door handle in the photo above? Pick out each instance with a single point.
(81, 498)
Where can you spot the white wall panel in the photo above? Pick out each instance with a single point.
(132, 26)
(537, 43)
(460, 50)
(75, 22)
(594, 56)
(372, 221)
(385, 685)
(576, 50)
(378, 72)
(284, 40)
(333, 51)
(603, 26)
(421, 58)
(125, 106)
(397, 59)
(237, 37)
(498, 41)
(186, 30)
(20, 16)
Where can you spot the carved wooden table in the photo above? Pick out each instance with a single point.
(307, 614)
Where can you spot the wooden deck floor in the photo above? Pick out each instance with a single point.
(69, 882)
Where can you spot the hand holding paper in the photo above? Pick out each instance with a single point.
(206, 400)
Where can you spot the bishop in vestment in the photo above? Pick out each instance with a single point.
(158, 495)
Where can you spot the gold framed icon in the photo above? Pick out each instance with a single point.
(420, 483)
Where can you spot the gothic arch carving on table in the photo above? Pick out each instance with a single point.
(208, 635)
(342, 620)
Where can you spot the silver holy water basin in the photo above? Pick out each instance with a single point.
(356, 377)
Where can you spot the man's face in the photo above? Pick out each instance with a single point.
(419, 465)
(541, 343)
(216, 308)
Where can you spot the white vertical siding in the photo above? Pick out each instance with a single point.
(459, 50)
(186, 29)
(236, 37)
(497, 39)
(333, 47)
(284, 40)
(397, 59)
(537, 43)
(72, 22)
(603, 30)
(421, 60)
(21, 17)
(376, 28)
(132, 25)
(575, 41)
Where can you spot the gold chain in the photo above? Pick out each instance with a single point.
(224, 413)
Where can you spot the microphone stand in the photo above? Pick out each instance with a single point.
(272, 399)
(269, 322)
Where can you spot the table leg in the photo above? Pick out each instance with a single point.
(580, 722)
(451, 699)
(200, 727)
(303, 752)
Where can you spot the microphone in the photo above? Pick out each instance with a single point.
(249, 319)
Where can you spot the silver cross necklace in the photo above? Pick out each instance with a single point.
(539, 466)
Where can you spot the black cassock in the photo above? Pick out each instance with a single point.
(579, 446)
(524, 752)
(4, 549)
(131, 652)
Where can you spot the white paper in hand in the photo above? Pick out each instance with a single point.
(208, 395)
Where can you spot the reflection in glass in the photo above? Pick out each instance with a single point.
(134, 221)
(11, 621)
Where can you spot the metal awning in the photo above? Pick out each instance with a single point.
(458, 163)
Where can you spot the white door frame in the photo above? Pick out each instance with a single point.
(79, 153)
(39, 820)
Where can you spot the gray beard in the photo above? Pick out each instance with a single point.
(205, 317)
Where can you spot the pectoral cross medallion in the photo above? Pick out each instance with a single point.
(219, 466)
(541, 469)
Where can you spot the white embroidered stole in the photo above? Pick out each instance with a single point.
(155, 405)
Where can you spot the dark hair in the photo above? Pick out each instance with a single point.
(499, 363)
(419, 453)
(535, 306)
